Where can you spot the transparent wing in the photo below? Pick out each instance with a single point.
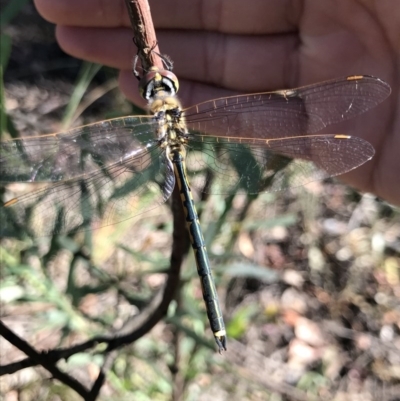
(270, 167)
(101, 174)
(80, 151)
(104, 168)
(248, 141)
(294, 112)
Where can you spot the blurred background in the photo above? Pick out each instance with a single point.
(309, 279)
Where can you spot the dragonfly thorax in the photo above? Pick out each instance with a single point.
(172, 131)
(166, 103)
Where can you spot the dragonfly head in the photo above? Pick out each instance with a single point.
(158, 81)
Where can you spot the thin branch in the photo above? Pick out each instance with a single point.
(144, 34)
(41, 359)
(177, 375)
(180, 247)
(98, 384)
(132, 330)
(139, 325)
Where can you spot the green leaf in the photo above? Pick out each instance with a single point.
(176, 321)
(250, 270)
(286, 220)
(240, 321)
(10, 293)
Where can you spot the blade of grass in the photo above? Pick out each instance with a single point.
(5, 46)
(95, 94)
(3, 114)
(85, 77)
(242, 269)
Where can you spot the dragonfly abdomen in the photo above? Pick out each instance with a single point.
(209, 291)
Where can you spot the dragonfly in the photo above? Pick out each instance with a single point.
(97, 174)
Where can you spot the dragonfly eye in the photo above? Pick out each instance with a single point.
(156, 81)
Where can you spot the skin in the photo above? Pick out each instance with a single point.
(224, 47)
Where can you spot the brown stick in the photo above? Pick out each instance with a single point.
(144, 34)
(42, 359)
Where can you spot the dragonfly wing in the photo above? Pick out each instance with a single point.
(80, 151)
(286, 113)
(115, 171)
(269, 167)
(101, 198)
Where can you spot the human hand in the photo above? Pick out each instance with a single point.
(222, 48)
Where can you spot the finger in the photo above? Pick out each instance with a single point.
(226, 16)
(87, 13)
(236, 62)
(112, 47)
